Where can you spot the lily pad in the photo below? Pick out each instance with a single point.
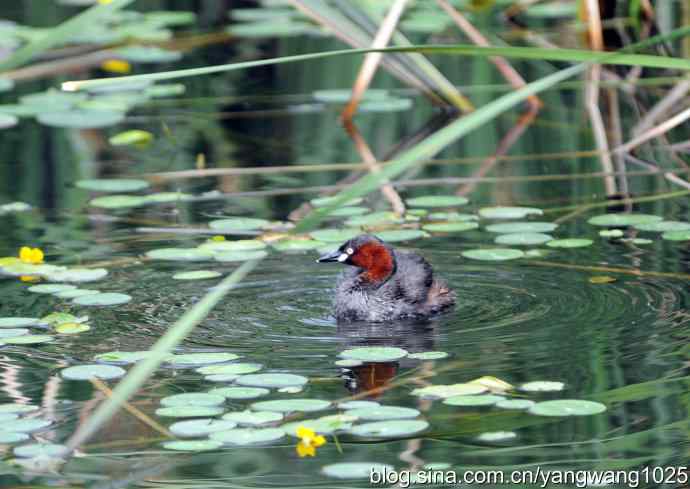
(272, 380)
(17, 408)
(148, 54)
(611, 233)
(30, 425)
(390, 429)
(373, 219)
(348, 211)
(12, 332)
(179, 254)
(251, 418)
(507, 212)
(189, 411)
(103, 299)
(230, 369)
(522, 239)
(234, 256)
(297, 245)
(446, 391)
(50, 450)
(197, 399)
(74, 293)
(382, 413)
(29, 339)
(496, 436)
(621, 220)
(192, 445)
(134, 137)
(374, 354)
(567, 407)
(542, 386)
(248, 436)
(452, 216)
(324, 201)
(358, 404)
(396, 235)
(428, 355)
(118, 201)
(334, 235)
(197, 275)
(570, 243)
(348, 363)
(200, 427)
(10, 437)
(450, 227)
(72, 328)
(290, 405)
(81, 119)
(238, 224)
(93, 371)
(517, 404)
(240, 392)
(355, 470)
(676, 236)
(112, 185)
(8, 120)
(18, 322)
(522, 227)
(198, 359)
(237, 245)
(437, 201)
(474, 401)
(77, 275)
(663, 226)
(50, 288)
(122, 357)
(493, 254)
(326, 425)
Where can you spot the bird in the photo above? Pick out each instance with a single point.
(382, 284)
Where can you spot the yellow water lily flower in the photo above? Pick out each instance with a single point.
(218, 238)
(309, 441)
(32, 256)
(29, 278)
(104, 1)
(116, 66)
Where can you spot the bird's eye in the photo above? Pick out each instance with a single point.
(349, 251)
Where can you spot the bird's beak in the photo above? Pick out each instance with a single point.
(336, 255)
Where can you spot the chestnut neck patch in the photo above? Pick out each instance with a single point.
(376, 261)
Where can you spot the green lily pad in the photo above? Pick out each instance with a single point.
(374, 354)
(248, 436)
(200, 427)
(240, 392)
(72, 328)
(148, 54)
(81, 119)
(390, 429)
(437, 201)
(117, 201)
(676, 235)
(570, 243)
(373, 219)
(641, 241)
(326, 425)
(78, 275)
(542, 386)
(29, 339)
(621, 220)
(14, 322)
(179, 254)
(517, 404)
(324, 201)
(348, 363)
(522, 239)
(8, 120)
(611, 233)
(452, 216)
(233, 256)
(103, 299)
(496, 436)
(189, 411)
(12, 332)
(11, 437)
(221, 377)
(170, 18)
(238, 245)
(30, 425)
(250, 418)
(396, 235)
(238, 224)
(230, 369)
(53, 99)
(296, 245)
(16, 408)
(663, 226)
(93, 371)
(522, 227)
(112, 185)
(197, 275)
(382, 413)
(355, 470)
(290, 405)
(74, 293)
(50, 450)
(199, 359)
(272, 380)
(472, 401)
(446, 391)
(50, 288)
(165, 197)
(335, 235)
(134, 137)
(192, 445)
(493, 254)
(349, 211)
(450, 227)
(567, 407)
(428, 355)
(507, 212)
(165, 90)
(122, 357)
(358, 404)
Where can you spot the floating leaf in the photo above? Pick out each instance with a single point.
(250, 418)
(74, 293)
(189, 411)
(117, 201)
(72, 328)
(496, 436)
(348, 211)
(41, 450)
(663, 226)
(102, 299)
(200, 427)
(240, 392)
(601, 279)
(386, 105)
(358, 404)
(238, 224)
(122, 357)
(450, 227)
(347, 363)
(382, 413)
(239, 245)
(16, 408)
(29, 339)
(132, 137)
(355, 470)
(621, 220)
(170, 18)
(452, 216)
(437, 201)
(81, 119)
(233, 256)
(494, 384)
(522, 227)
(567, 407)
(112, 185)
(446, 391)
(10, 437)
(390, 429)
(374, 354)
(473, 401)
(14, 322)
(335, 235)
(50, 288)
(192, 445)
(676, 235)
(324, 201)
(12, 332)
(8, 120)
(165, 197)
(641, 241)
(272, 380)
(30, 425)
(221, 377)
(396, 235)
(296, 245)
(248, 436)
(342, 96)
(373, 219)
(233, 368)
(78, 275)
(428, 355)
(325, 425)
(179, 254)
(517, 404)
(198, 359)
(522, 239)
(148, 54)
(501, 212)
(197, 399)
(197, 275)
(493, 254)
(542, 386)
(570, 243)
(93, 371)
(290, 405)
(610, 233)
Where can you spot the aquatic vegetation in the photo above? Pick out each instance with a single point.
(309, 441)
(32, 256)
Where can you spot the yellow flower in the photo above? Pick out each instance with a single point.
(218, 238)
(29, 278)
(104, 1)
(32, 256)
(116, 66)
(309, 441)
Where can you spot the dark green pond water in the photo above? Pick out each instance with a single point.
(609, 321)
